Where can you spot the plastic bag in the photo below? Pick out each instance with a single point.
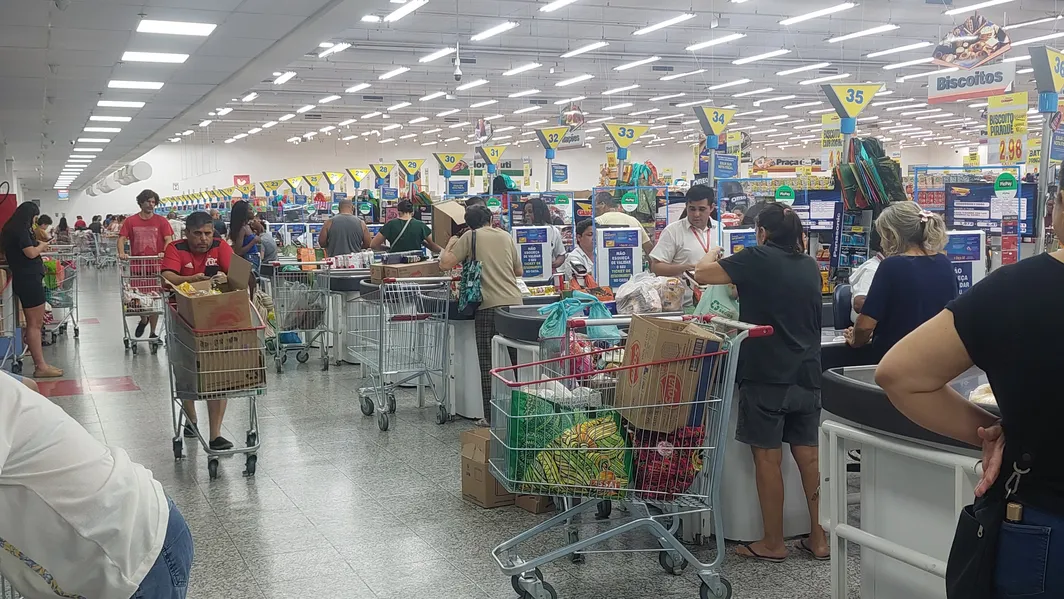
(561, 311)
(639, 295)
(671, 291)
(718, 300)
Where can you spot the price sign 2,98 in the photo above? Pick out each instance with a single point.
(1011, 150)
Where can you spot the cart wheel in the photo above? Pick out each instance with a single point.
(249, 464)
(252, 439)
(133, 348)
(212, 468)
(605, 508)
(441, 415)
(77, 332)
(383, 420)
(16, 368)
(179, 449)
(391, 403)
(125, 342)
(577, 558)
(303, 356)
(154, 348)
(284, 358)
(325, 365)
(55, 336)
(279, 362)
(548, 592)
(705, 593)
(367, 406)
(517, 585)
(672, 563)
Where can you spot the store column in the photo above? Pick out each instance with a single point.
(1048, 67)
(551, 138)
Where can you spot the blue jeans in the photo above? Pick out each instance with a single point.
(1030, 558)
(168, 577)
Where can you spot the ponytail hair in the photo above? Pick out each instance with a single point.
(904, 225)
(783, 227)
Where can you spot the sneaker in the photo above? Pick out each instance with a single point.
(221, 444)
(190, 430)
(141, 326)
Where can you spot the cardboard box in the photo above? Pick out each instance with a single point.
(536, 504)
(670, 388)
(444, 216)
(214, 362)
(478, 484)
(428, 268)
(227, 311)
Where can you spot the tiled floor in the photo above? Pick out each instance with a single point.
(338, 508)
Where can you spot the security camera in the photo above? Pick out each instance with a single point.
(457, 63)
(457, 72)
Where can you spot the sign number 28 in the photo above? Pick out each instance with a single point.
(855, 95)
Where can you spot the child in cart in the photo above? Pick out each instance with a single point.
(200, 256)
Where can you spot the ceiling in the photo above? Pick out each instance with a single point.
(257, 40)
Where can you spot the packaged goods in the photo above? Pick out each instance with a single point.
(666, 465)
(639, 295)
(671, 291)
(379, 272)
(478, 484)
(228, 309)
(590, 457)
(983, 395)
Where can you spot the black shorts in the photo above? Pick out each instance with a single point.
(770, 415)
(28, 288)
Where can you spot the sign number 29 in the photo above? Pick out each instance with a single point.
(855, 95)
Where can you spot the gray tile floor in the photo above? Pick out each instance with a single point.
(338, 508)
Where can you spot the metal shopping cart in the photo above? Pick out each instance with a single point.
(106, 251)
(142, 297)
(213, 365)
(61, 290)
(300, 305)
(400, 333)
(12, 349)
(651, 434)
(7, 591)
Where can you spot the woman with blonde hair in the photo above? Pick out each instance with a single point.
(912, 285)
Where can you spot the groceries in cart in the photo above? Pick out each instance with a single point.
(647, 293)
(188, 290)
(362, 259)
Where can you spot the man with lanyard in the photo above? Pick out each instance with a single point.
(147, 234)
(579, 262)
(684, 242)
(200, 256)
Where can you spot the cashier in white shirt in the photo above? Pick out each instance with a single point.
(581, 260)
(861, 278)
(683, 243)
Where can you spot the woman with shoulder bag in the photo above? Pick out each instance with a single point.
(1010, 542)
(496, 254)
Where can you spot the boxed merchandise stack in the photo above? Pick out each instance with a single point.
(408, 270)
(478, 485)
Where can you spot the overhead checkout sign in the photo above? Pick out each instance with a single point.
(849, 101)
(551, 138)
(447, 162)
(357, 175)
(624, 136)
(714, 120)
(491, 155)
(411, 167)
(381, 171)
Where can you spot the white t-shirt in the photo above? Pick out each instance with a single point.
(178, 225)
(71, 510)
(861, 281)
(623, 219)
(681, 244)
(577, 256)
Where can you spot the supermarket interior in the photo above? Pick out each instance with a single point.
(269, 210)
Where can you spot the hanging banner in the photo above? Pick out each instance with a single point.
(988, 81)
(830, 141)
(726, 166)
(559, 173)
(1034, 153)
(1006, 129)
(971, 44)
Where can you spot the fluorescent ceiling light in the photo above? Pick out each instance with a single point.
(308, 135)
(758, 57)
(977, 6)
(752, 92)
(447, 112)
(224, 111)
(501, 129)
(286, 117)
(408, 136)
(255, 130)
(86, 150)
(1016, 58)
(356, 88)
(802, 105)
(587, 48)
(776, 117)
(326, 45)
(394, 72)
(618, 106)
(825, 78)
(668, 97)
(636, 63)
(430, 143)
(404, 10)
(534, 123)
(386, 140)
(420, 119)
(527, 92)
(120, 84)
(916, 112)
(1024, 71)
(175, 27)
(371, 19)
(568, 100)
(348, 138)
(1034, 22)
(889, 102)
(979, 105)
(471, 84)
(102, 129)
(938, 72)
(932, 116)
(728, 84)
(93, 140)
(494, 117)
(908, 63)
(433, 131)
(695, 103)
(618, 90)
(640, 112)
(522, 69)
(334, 49)
(111, 119)
(284, 77)
(370, 115)
(496, 30)
(303, 109)
(399, 105)
(457, 125)
(269, 124)
(713, 42)
(680, 75)
(431, 96)
(763, 131)
(251, 97)
(76, 160)
(450, 139)
(775, 99)
(573, 80)
(392, 126)
(808, 67)
(164, 57)
(823, 12)
(1041, 38)
(119, 104)
(483, 103)
(528, 109)
(553, 6)
(905, 48)
(436, 55)
(328, 99)
(906, 106)
(664, 24)
(864, 32)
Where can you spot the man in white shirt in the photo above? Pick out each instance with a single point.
(683, 243)
(78, 519)
(581, 260)
(611, 214)
(861, 278)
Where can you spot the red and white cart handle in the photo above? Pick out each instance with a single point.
(427, 280)
(752, 330)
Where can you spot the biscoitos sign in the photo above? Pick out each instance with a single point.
(982, 83)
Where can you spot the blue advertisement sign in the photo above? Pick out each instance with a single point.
(390, 193)
(315, 229)
(458, 187)
(374, 229)
(969, 206)
(338, 196)
(621, 266)
(532, 260)
(295, 230)
(620, 239)
(963, 271)
(559, 173)
(726, 166)
(742, 240)
(1056, 144)
(276, 228)
(836, 236)
(963, 248)
(536, 235)
(299, 199)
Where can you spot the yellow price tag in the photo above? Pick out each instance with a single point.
(358, 174)
(1011, 150)
(551, 137)
(448, 161)
(381, 170)
(491, 154)
(849, 100)
(271, 186)
(409, 166)
(625, 135)
(763, 174)
(333, 177)
(714, 120)
(804, 170)
(294, 182)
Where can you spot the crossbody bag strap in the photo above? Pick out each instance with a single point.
(473, 244)
(400, 235)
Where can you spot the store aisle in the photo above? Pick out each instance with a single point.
(337, 508)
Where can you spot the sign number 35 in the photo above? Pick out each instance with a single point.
(855, 95)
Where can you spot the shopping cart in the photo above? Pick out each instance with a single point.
(142, 297)
(61, 290)
(106, 251)
(7, 591)
(213, 365)
(572, 434)
(12, 349)
(400, 333)
(300, 304)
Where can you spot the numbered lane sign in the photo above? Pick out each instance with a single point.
(850, 99)
(491, 154)
(410, 166)
(624, 135)
(1048, 65)
(448, 161)
(551, 137)
(358, 174)
(714, 120)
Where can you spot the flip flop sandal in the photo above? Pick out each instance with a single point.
(802, 546)
(758, 556)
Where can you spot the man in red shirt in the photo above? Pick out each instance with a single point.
(198, 257)
(80, 224)
(147, 234)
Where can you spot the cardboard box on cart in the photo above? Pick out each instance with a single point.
(428, 268)
(228, 310)
(478, 484)
(667, 390)
(444, 216)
